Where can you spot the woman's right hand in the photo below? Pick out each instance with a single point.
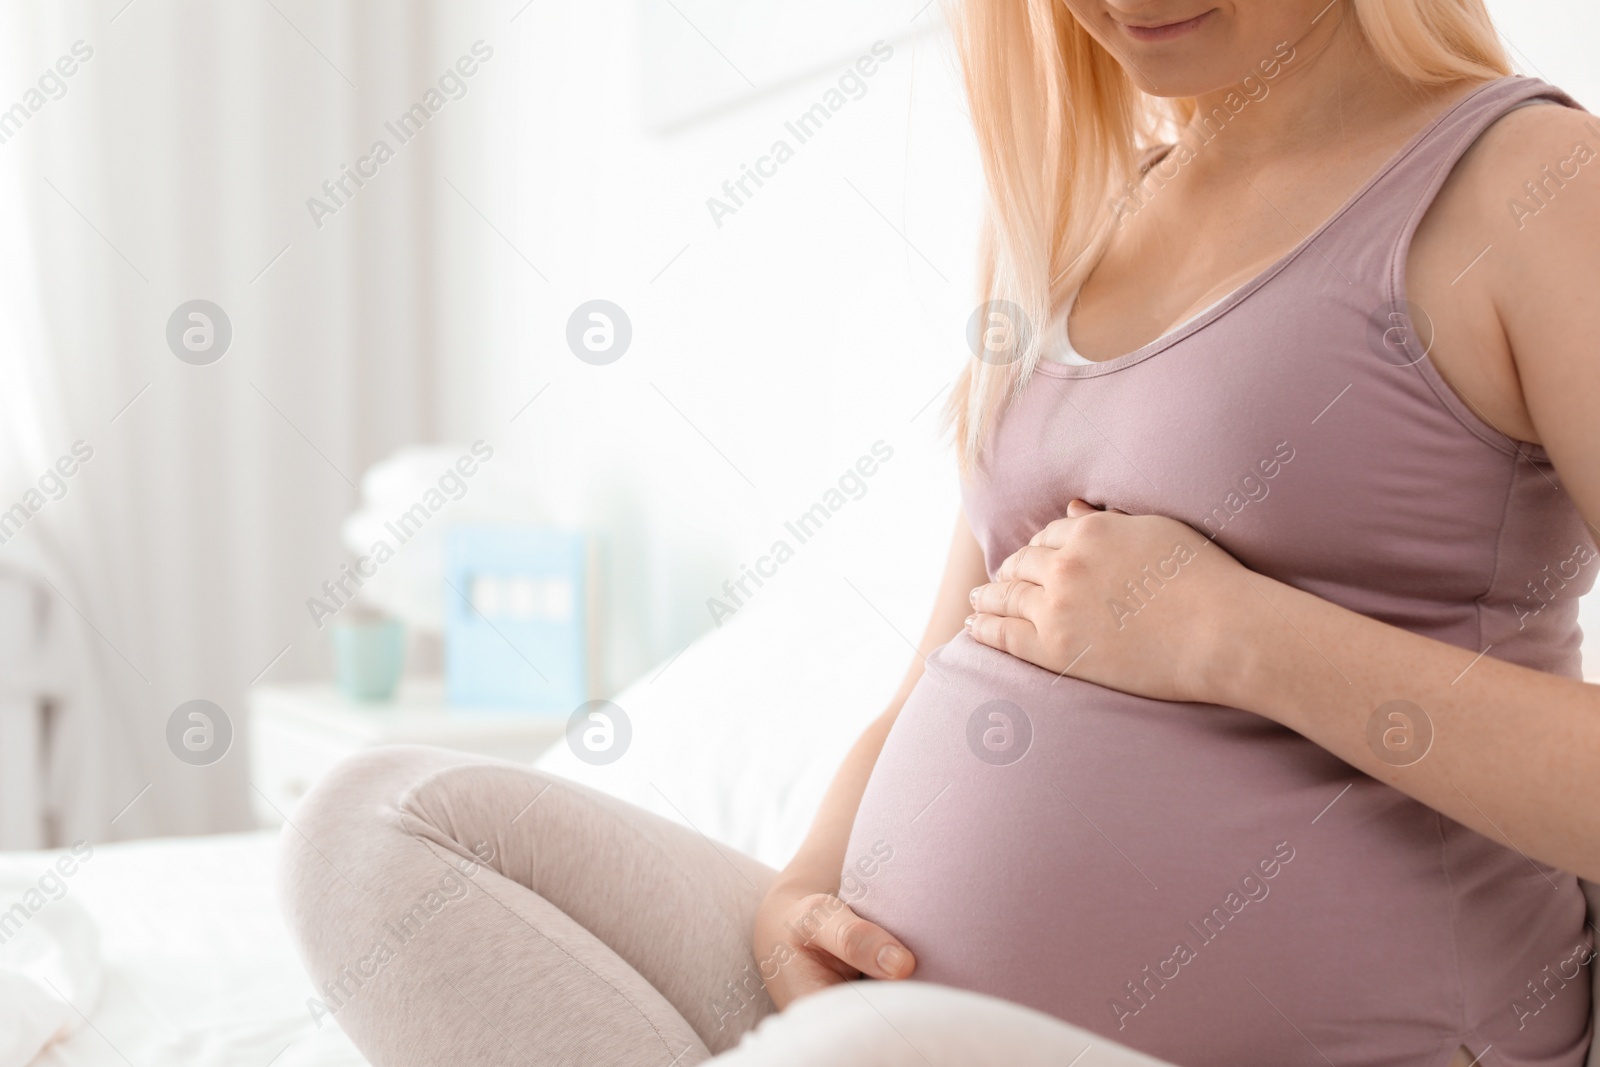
(806, 941)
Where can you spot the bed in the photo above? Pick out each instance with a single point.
(735, 737)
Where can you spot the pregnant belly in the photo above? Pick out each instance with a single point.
(1190, 880)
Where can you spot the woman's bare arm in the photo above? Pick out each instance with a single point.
(846, 945)
(821, 856)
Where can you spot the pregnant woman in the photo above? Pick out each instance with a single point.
(1248, 726)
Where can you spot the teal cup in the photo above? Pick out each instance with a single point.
(368, 654)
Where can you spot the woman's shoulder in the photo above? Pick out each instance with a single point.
(1505, 254)
(1528, 187)
(1528, 159)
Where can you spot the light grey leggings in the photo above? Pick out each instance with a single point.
(456, 910)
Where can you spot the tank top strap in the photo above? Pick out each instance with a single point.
(1382, 217)
(1362, 251)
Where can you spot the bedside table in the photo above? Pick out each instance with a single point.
(299, 732)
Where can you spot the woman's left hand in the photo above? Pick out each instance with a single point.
(1139, 603)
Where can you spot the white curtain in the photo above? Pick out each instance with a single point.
(175, 163)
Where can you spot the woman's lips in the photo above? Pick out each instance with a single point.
(1164, 32)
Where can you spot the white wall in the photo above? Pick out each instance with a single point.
(788, 340)
(1554, 40)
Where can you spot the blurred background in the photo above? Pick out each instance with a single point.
(273, 269)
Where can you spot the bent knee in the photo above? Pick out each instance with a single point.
(328, 842)
(359, 789)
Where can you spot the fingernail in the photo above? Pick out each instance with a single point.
(892, 958)
(973, 596)
(968, 623)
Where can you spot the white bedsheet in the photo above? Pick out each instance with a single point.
(197, 968)
(49, 957)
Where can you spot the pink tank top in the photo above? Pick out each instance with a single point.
(1195, 881)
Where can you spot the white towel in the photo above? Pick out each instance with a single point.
(50, 968)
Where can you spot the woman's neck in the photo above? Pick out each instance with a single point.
(1333, 84)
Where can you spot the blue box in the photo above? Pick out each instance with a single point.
(517, 618)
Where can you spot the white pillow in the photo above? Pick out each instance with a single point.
(740, 735)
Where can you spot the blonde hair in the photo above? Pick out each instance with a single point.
(1060, 128)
